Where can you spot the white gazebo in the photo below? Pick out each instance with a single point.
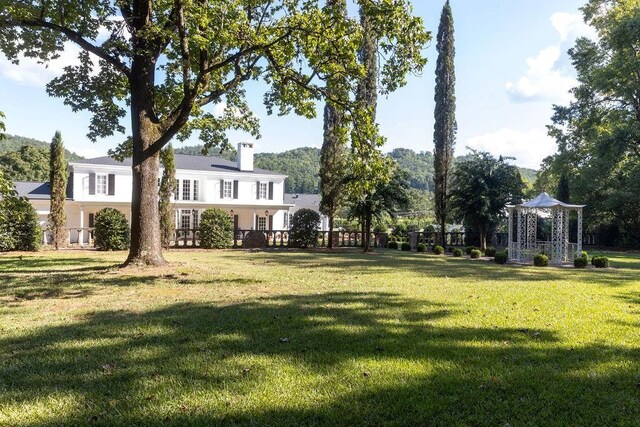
(523, 241)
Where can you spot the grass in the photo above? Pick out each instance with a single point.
(294, 338)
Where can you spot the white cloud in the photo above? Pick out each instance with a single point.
(528, 147)
(570, 26)
(30, 72)
(546, 79)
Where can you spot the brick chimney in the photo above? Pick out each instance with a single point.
(245, 156)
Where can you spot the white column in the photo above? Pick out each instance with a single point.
(81, 233)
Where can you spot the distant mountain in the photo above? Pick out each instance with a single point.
(14, 143)
(302, 165)
(27, 159)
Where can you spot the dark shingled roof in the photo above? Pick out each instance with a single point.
(311, 201)
(33, 190)
(186, 162)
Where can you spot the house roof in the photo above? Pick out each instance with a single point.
(33, 190)
(186, 162)
(311, 201)
(544, 200)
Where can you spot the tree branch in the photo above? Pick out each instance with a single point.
(73, 36)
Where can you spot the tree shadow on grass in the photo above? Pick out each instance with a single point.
(342, 358)
(31, 264)
(444, 267)
(62, 285)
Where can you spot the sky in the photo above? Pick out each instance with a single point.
(511, 67)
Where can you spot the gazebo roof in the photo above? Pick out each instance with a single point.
(544, 200)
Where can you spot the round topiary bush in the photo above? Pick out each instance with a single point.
(304, 229)
(422, 247)
(457, 252)
(601, 262)
(112, 231)
(490, 251)
(438, 250)
(580, 262)
(216, 229)
(405, 246)
(500, 258)
(584, 254)
(392, 245)
(475, 253)
(468, 250)
(541, 260)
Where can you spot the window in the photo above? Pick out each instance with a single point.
(195, 190)
(185, 218)
(262, 194)
(101, 184)
(227, 190)
(186, 189)
(285, 225)
(176, 195)
(262, 223)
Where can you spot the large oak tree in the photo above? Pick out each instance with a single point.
(167, 62)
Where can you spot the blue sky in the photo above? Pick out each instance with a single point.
(511, 67)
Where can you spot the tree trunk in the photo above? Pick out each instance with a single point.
(443, 231)
(330, 244)
(366, 236)
(483, 237)
(146, 242)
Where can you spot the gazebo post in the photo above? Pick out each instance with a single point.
(579, 248)
(510, 246)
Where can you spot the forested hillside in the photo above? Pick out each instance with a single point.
(303, 164)
(26, 159)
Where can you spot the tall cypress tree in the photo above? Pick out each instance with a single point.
(445, 127)
(58, 183)
(333, 152)
(367, 97)
(167, 188)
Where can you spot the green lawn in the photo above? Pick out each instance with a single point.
(270, 338)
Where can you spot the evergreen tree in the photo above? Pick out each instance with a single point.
(167, 188)
(367, 99)
(58, 184)
(445, 116)
(333, 153)
(562, 193)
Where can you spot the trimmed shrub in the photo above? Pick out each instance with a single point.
(380, 228)
(500, 258)
(422, 247)
(438, 250)
(216, 229)
(541, 260)
(601, 262)
(20, 228)
(304, 229)
(468, 250)
(580, 262)
(112, 231)
(475, 253)
(400, 229)
(490, 251)
(392, 245)
(405, 246)
(584, 254)
(457, 252)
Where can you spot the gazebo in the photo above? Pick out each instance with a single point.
(524, 242)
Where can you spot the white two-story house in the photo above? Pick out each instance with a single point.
(253, 197)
